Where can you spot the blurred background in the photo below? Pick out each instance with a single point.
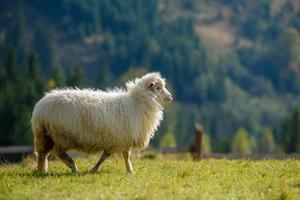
(232, 65)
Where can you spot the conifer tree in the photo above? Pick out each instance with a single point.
(7, 100)
(17, 37)
(44, 44)
(103, 74)
(77, 78)
(57, 77)
(168, 139)
(241, 142)
(291, 132)
(30, 88)
(206, 145)
(266, 142)
(9, 67)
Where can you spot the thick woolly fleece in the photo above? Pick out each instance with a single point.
(94, 120)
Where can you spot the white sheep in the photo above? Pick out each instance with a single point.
(93, 120)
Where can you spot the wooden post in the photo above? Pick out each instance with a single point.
(16, 149)
(197, 153)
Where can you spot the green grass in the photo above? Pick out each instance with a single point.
(155, 179)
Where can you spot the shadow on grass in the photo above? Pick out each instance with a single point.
(38, 174)
(41, 175)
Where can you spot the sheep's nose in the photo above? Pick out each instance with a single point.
(169, 98)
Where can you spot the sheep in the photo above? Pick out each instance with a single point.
(91, 121)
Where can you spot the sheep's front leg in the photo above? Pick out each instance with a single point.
(128, 164)
(63, 156)
(104, 156)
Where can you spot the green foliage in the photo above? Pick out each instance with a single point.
(18, 94)
(154, 179)
(132, 74)
(104, 75)
(31, 89)
(7, 95)
(290, 134)
(44, 44)
(77, 78)
(250, 82)
(168, 139)
(241, 142)
(266, 142)
(17, 37)
(9, 73)
(206, 143)
(57, 77)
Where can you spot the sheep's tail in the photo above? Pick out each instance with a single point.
(42, 142)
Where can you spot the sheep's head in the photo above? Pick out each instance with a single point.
(154, 83)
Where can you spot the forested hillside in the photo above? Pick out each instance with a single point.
(233, 65)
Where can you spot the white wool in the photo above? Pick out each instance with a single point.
(95, 120)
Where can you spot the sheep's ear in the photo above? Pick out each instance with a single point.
(151, 85)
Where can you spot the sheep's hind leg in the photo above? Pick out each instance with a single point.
(128, 164)
(65, 158)
(43, 146)
(104, 156)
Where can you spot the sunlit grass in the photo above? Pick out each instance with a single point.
(155, 179)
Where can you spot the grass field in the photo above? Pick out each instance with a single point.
(155, 179)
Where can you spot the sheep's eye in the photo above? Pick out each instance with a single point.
(158, 88)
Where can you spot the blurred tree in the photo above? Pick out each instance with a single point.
(97, 19)
(34, 80)
(2, 75)
(44, 44)
(77, 78)
(104, 76)
(17, 35)
(10, 67)
(243, 84)
(206, 144)
(132, 73)
(170, 119)
(57, 77)
(266, 142)
(168, 140)
(33, 67)
(291, 132)
(281, 63)
(241, 142)
(288, 58)
(30, 88)
(7, 100)
(185, 126)
(254, 144)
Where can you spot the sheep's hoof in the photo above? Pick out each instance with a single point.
(94, 170)
(75, 170)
